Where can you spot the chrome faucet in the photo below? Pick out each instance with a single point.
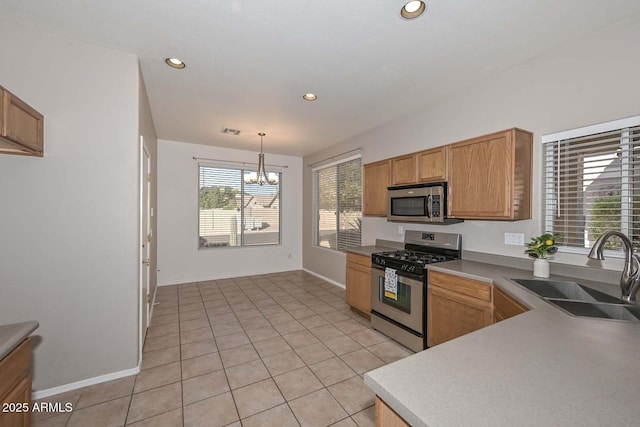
(630, 280)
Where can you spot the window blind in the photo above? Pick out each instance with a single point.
(338, 204)
(591, 185)
(233, 213)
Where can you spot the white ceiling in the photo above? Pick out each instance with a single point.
(250, 61)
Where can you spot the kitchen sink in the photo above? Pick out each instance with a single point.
(579, 300)
(600, 310)
(566, 291)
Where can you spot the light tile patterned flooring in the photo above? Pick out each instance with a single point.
(271, 350)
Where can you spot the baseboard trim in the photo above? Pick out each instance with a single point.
(84, 383)
(333, 282)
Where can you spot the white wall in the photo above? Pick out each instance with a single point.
(591, 80)
(179, 259)
(69, 221)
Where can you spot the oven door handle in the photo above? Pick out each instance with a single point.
(380, 287)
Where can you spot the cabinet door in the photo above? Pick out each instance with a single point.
(21, 127)
(431, 165)
(358, 287)
(451, 315)
(377, 177)
(20, 395)
(403, 170)
(15, 384)
(480, 178)
(505, 306)
(490, 176)
(386, 417)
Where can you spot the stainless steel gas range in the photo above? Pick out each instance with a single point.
(399, 285)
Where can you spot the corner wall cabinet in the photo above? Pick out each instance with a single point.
(490, 176)
(358, 283)
(377, 177)
(21, 127)
(456, 306)
(504, 306)
(15, 387)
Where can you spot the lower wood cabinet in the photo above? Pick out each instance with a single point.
(386, 417)
(505, 306)
(455, 307)
(358, 283)
(15, 387)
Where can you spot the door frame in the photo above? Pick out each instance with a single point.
(144, 280)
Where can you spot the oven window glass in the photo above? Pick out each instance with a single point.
(409, 206)
(403, 303)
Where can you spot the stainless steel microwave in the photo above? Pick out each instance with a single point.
(419, 203)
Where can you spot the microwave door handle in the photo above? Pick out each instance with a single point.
(428, 206)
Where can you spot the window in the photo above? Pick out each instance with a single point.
(592, 184)
(232, 213)
(337, 197)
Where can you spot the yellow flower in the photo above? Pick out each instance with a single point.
(549, 242)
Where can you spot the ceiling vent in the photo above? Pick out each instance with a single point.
(230, 131)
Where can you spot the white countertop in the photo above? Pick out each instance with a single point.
(13, 334)
(542, 367)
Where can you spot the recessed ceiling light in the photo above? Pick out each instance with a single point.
(310, 97)
(175, 63)
(413, 9)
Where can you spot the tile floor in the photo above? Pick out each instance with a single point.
(271, 350)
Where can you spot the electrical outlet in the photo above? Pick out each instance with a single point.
(401, 229)
(516, 239)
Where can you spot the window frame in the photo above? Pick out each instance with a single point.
(243, 169)
(548, 144)
(314, 202)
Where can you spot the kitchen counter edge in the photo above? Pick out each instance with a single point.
(13, 334)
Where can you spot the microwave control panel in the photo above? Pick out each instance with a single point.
(435, 206)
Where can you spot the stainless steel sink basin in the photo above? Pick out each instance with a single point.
(566, 290)
(579, 300)
(628, 313)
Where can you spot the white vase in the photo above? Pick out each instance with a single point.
(541, 268)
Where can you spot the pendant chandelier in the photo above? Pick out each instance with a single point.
(261, 177)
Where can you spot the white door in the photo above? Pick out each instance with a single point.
(145, 239)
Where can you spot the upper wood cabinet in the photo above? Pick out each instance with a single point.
(431, 165)
(424, 166)
(403, 170)
(377, 177)
(490, 176)
(21, 127)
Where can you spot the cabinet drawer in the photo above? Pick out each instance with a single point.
(461, 285)
(16, 364)
(359, 259)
